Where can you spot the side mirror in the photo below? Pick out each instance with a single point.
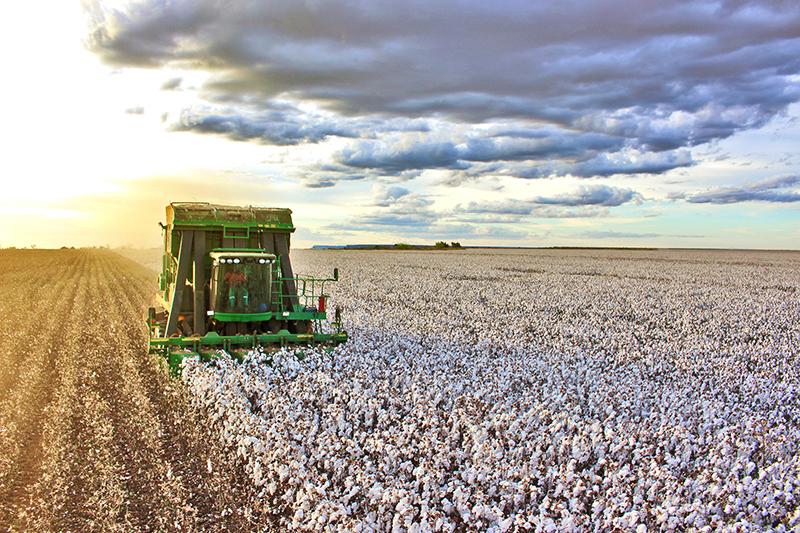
(336, 274)
(337, 315)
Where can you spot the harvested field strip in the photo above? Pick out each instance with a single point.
(21, 409)
(23, 312)
(93, 433)
(175, 424)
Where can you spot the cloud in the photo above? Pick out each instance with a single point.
(514, 210)
(136, 110)
(617, 235)
(278, 127)
(531, 90)
(557, 153)
(609, 164)
(398, 220)
(171, 84)
(507, 207)
(283, 123)
(387, 196)
(322, 181)
(591, 201)
(482, 230)
(777, 190)
(547, 143)
(604, 195)
(398, 206)
(609, 234)
(648, 73)
(399, 154)
(319, 184)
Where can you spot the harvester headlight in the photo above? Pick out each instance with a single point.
(223, 260)
(237, 261)
(262, 261)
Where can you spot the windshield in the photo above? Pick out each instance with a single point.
(243, 287)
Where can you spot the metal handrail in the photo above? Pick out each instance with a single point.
(309, 289)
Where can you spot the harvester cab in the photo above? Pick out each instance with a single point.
(227, 283)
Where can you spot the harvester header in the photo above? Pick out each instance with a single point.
(227, 283)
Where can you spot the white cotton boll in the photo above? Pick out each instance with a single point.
(257, 475)
(632, 518)
(506, 524)
(375, 493)
(403, 507)
(464, 511)
(447, 506)
(658, 369)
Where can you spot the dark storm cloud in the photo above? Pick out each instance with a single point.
(471, 58)
(777, 190)
(606, 77)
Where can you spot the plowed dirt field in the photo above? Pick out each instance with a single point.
(93, 433)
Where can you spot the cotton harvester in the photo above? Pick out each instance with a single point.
(227, 283)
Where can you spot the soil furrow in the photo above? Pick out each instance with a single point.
(207, 505)
(24, 306)
(28, 402)
(94, 434)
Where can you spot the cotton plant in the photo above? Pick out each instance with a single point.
(642, 395)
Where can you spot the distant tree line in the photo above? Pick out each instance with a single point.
(439, 245)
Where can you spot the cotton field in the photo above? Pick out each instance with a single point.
(529, 390)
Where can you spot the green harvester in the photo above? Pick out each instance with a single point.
(227, 283)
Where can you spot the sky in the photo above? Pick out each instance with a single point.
(636, 123)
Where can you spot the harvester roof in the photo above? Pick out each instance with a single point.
(194, 214)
